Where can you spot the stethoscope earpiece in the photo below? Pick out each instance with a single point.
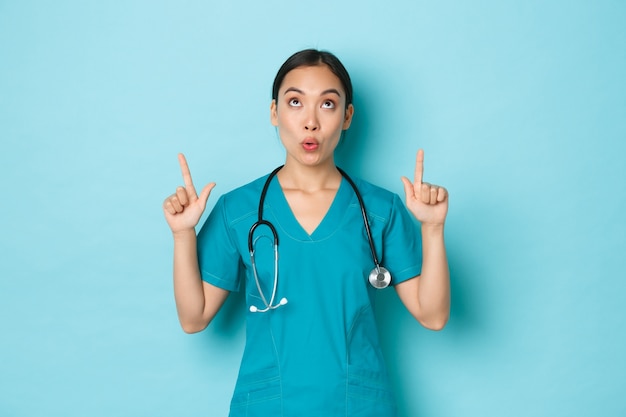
(255, 309)
(379, 277)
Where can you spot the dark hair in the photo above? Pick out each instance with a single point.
(311, 58)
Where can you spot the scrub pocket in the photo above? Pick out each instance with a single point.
(368, 388)
(258, 395)
(368, 394)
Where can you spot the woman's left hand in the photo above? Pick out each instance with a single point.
(427, 202)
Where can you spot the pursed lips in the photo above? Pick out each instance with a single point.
(310, 144)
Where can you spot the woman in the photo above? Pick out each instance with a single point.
(312, 347)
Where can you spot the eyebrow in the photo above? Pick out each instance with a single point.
(297, 90)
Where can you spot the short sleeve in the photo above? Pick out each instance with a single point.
(402, 250)
(218, 257)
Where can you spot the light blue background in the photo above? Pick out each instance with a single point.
(520, 106)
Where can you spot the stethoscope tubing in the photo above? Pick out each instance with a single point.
(260, 220)
(378, 278)
(366, 222)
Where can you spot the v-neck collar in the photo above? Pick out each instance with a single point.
(287, 221)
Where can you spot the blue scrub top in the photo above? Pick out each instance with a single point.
(319, 354)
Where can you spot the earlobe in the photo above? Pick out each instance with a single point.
(273, 115)
(348, 117)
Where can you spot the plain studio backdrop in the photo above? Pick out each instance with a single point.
(519, 105)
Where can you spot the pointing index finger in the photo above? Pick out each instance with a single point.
(419, 167)
(186, 174)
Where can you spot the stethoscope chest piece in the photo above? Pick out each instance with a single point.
(380, 277)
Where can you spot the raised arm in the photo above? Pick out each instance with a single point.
(427, 297)
(197, 301)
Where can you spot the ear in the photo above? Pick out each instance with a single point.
(348, 117)
(273, 115)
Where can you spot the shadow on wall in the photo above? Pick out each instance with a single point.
(477, 290)
(404, 341)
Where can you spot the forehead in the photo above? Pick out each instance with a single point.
(312, 79)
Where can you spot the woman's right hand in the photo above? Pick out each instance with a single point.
(184, 208)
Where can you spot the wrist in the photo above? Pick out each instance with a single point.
(184, 234)
(432, 228)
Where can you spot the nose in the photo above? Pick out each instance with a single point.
(311, 122)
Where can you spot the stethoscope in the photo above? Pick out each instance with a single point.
(379, 277)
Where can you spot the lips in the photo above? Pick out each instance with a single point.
(310, 144)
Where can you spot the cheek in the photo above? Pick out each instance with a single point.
(335, 121)
(287, 125)
(284, 122)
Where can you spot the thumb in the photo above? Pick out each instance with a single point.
(409, 191)
(204, 194)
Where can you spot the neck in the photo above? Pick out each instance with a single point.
(309, 178)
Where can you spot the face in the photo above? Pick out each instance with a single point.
(310, 114)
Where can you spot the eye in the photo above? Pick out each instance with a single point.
(328, 104)
(294, 102)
